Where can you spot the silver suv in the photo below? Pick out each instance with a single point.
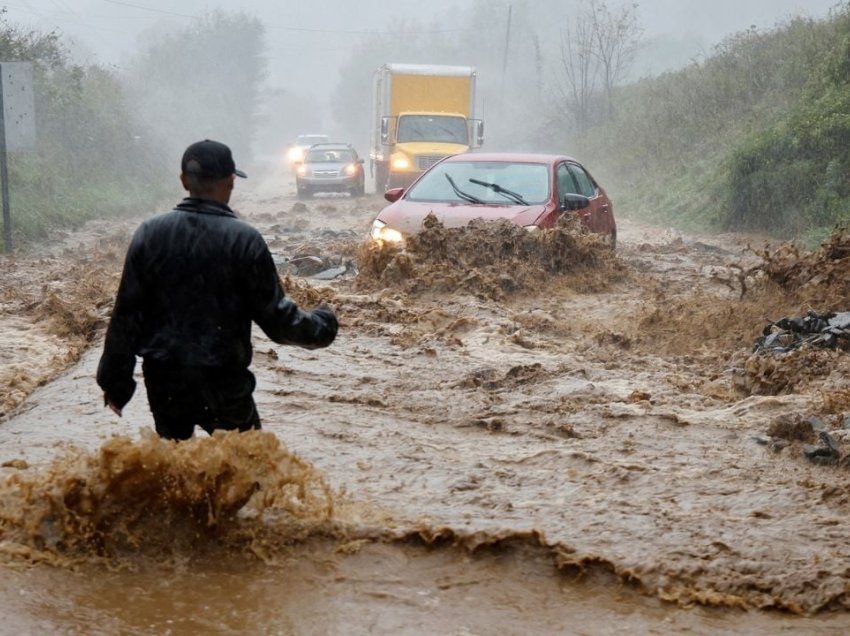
(330, 168)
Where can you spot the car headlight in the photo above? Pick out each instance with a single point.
(295, 154)
(302, 170)
(383, 234)
(351, 169)
(401, 163)
(531, 228)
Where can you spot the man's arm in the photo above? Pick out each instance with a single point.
(279, 317)
(118, 361)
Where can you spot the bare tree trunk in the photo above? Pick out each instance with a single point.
(580, 72)
(596, 49)
(616, 39)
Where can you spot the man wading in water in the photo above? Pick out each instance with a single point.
(194, 279)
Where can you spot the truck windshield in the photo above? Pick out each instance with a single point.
(440, 128)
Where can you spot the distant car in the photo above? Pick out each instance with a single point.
(330, 168)
(295, 152)
(531, 190)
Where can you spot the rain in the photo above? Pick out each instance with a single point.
(531, 421)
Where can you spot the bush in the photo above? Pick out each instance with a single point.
(753, 137)
(90, 158)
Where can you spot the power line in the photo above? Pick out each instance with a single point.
(151, 9)
(359, 32)
(297, 29)
(33, 9)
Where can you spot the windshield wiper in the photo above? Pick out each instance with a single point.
(463, 195)
(451, 134)
(495, 187)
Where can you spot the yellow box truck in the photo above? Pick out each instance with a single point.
(421, 113)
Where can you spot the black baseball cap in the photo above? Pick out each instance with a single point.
(209, 159)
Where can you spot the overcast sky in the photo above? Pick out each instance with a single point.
(308, 39)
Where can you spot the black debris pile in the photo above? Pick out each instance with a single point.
(318, 267)
(816, 442)
(821, 330)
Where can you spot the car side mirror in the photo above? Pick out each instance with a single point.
(573, 202)
(393, 194)
(475, 129)
(385, 130)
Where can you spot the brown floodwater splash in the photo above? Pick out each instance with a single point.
(159, 497)
(493, 259)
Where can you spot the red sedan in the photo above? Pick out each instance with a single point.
(531, 190)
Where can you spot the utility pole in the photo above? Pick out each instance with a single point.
(4, 177)
(505, 59)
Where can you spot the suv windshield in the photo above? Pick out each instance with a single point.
(329, 156)
(441, 128)
(530, 181)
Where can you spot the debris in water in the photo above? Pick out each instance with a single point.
(823, 330)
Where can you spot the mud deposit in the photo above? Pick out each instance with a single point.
(513, 434)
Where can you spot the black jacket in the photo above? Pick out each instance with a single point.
(194, 279)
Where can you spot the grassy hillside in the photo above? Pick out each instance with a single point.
(752, 137)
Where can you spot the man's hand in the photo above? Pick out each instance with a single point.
(111, 405)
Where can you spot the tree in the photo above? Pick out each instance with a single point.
(616, 37)
(596, 49)
(577, 85)
(89, 158)
(203, 82)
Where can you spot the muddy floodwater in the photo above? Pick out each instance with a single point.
(512, 434)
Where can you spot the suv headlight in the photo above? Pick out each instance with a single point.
(383, 234)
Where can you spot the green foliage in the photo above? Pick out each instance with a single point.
(89, 160)
(752, 137)
(792, 177)
(102, 150)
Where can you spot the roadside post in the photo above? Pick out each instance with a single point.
(17, 127)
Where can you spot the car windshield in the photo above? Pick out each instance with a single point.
(440, 128)
(490, 182)
(309, 140)
(329, 156)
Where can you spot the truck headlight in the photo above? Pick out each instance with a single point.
(295, 154)
(531, 228)
(401, 163)
(383, 234)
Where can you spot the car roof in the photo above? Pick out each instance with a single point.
(332, 146)
(519, 157)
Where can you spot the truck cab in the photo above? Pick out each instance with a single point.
(419, 140)
(421, 114)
